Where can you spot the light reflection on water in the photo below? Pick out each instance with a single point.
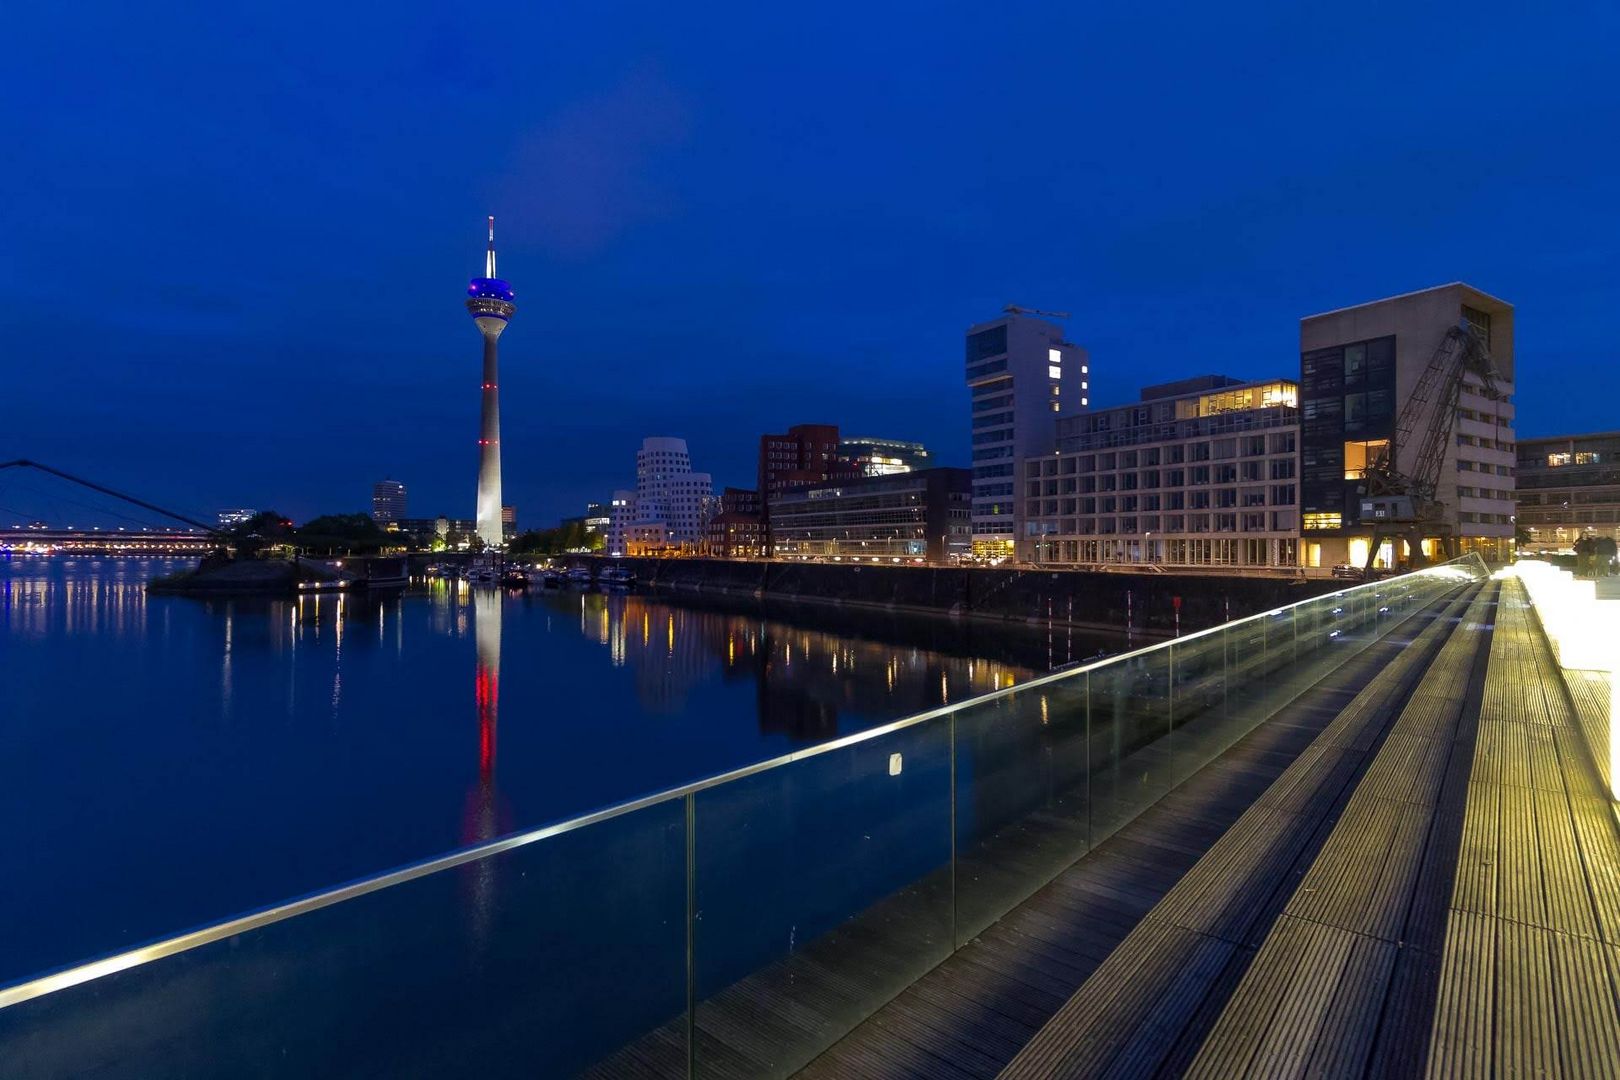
(177, 760)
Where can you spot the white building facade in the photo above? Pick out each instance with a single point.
(670, 508)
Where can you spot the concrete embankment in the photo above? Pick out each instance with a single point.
(1150, 605)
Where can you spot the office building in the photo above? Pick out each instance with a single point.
(1021, 374)
(738, 530)
(1358, 367)
(805, 454)
(1198, 473)
(1568, 488)
(802, 456)
(508, 522)
(490, 303)
(387, 501)
(883, 457)
(915, 517)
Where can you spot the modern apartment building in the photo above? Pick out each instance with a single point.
(1568, 488)
(1021, 374)
(1358, 367)
(1198, 473)
(922, 516)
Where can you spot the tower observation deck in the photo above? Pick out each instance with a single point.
(490, 303)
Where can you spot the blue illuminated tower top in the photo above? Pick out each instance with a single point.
(489, 299)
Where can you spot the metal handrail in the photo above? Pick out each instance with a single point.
(111, 964)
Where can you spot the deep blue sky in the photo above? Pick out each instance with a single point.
(233, 247)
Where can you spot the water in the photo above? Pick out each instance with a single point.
(166, 761)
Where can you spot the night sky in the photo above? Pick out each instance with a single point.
(235, 245)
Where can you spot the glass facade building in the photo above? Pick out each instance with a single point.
(915, 517)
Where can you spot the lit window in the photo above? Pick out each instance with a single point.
(1054, 406)
(1361, 456)
(1555, 460)
(1084, 385)
(1322, 521)
(1085, 401)
(1054, 391)
(1053, 356)
(1085, 369)
(1054, 372)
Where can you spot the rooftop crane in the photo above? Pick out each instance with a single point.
(1406, 503)
(1014, 309)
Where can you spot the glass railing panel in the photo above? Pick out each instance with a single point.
(1132, 739)
(1022, 797)
(541, 960)
(823, 888)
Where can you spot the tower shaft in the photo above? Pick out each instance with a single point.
(489, 448)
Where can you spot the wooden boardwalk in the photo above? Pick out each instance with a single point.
(972, 1014)
(1218, 979)
(1531, 965)
(1412, 869)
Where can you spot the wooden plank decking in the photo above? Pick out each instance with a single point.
(973, 1013)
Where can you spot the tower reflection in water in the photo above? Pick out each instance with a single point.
(483, 818)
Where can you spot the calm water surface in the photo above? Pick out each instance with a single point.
(167, 761)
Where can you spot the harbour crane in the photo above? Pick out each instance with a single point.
(1405, 503)
(1014, 309)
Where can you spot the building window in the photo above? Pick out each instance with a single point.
(1361, 456)
(1311, 522)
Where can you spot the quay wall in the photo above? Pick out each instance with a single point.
(1146, 604)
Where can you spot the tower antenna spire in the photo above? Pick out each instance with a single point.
(489, 259)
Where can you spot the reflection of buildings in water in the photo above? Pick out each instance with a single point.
(38, 597)
(804, 678)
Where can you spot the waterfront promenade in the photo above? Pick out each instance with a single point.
(1361, 835)
(1421, 877)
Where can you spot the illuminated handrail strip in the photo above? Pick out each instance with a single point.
(77, 974)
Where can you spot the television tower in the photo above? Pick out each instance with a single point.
(489, 302)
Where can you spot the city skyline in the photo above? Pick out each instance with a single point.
(700, 266)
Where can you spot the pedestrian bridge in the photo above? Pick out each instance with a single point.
(1371, 832)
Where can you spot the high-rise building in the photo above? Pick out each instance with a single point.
(1199, 473)
(508, 522)
(387, 501)
(490, 303)
(1358, 367)
(1568, 487)
(883, 457)
(1021, 374)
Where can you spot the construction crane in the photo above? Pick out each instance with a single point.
(1399, 503)
(1014, 309)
